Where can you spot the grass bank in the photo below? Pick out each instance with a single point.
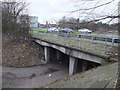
(38, 29)
(21, 53)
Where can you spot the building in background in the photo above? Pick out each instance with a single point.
(33, 21)
(50, 25)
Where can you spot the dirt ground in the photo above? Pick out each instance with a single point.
(21, 53)
(114, 52)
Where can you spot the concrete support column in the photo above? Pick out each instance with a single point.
(84, 65)
(113, 42)
(92, 37)
(47, 54)
(72, 65)
(58, 54)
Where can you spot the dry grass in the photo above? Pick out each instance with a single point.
(97, 48)
(21, 54)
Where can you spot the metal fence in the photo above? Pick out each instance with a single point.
(102, 39)
(92, 43)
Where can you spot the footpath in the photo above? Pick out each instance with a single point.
(101, 77)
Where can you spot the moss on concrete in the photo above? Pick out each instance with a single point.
(95, 48)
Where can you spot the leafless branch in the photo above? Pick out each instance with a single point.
(112, 17)
(93, 7)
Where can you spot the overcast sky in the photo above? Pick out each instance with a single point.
(53, 10)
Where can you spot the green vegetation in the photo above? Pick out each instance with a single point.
(80, 33)
(38, 29)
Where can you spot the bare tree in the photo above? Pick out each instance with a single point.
(11, 18)
(88, 11)
(62, 22)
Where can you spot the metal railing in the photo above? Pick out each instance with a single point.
(89, 37)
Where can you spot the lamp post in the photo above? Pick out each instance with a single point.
(78, 20)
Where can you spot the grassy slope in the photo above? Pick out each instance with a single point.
(21, 53)
(79, 33)
(38, 29)
(89, 78)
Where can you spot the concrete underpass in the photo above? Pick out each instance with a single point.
(65, 61)
(58, 67)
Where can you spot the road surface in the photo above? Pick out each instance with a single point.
(32, 77)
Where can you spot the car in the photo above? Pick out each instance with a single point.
(66, 30)
(56, 30)
(51, 29)
(84, 30)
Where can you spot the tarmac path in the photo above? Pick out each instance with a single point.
(32, 77)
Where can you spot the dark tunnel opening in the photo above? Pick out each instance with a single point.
(62, 59)
(83, 65)
(58, 57)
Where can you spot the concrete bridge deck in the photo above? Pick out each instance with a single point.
(100, 50)
(72, 52)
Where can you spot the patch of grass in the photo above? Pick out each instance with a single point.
(91, 47)
(80, 33)
(14, 58)
(38, 29)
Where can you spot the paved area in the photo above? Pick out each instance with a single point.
(100, 77)
(0, 77)
(0, 62)
(32, 77)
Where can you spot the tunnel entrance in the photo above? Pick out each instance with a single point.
(83, 65)
(59, 58)
(62, 59)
